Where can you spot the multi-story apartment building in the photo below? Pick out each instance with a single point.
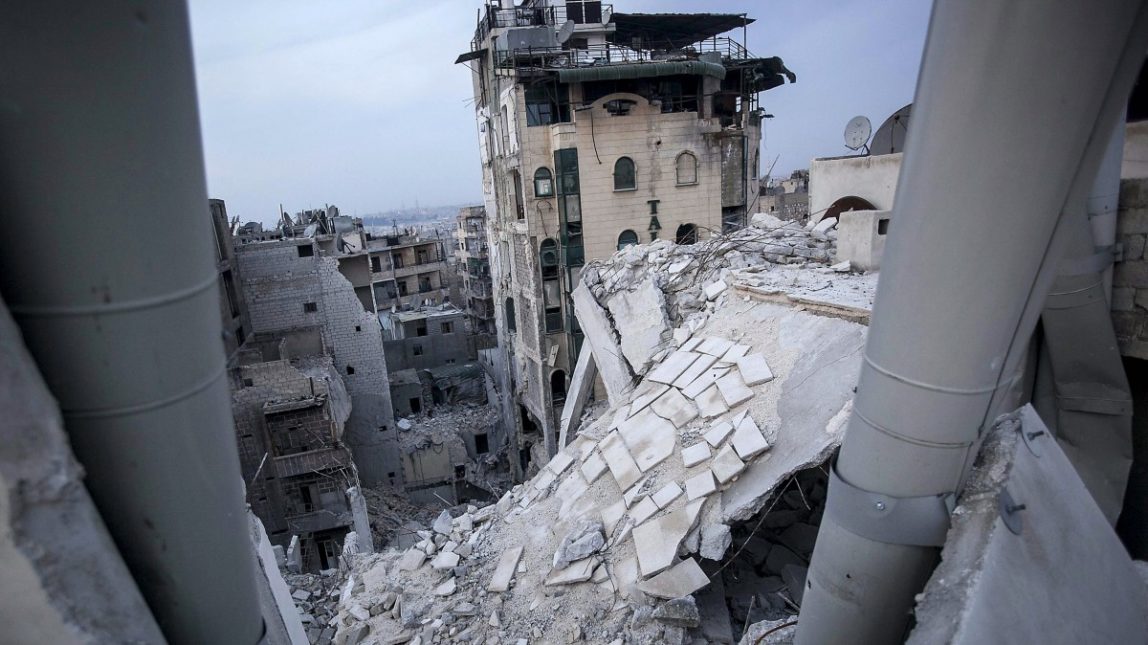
(233, 307)
(598, 130)
(407, 271)
(473, 265)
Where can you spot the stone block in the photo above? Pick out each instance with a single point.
(649, 438)
(711, 403)
(675, 408)
(683, 579)
(671, 368)
(666, 494)
(754, 369)
(747, 439)
(504, 570)
(733, 389)
(695, 454)
(593, 467)
(621, 463)
(726, 465)
(700, 485)
(1133, 246)
(643, 510)
(656, 542)
(639, 315)
(1131, 273)
(718, 432)
(716, 539)
(696, 369)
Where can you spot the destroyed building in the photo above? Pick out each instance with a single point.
(787, 198)
(296, 291)
(599, 130)
(473, 265)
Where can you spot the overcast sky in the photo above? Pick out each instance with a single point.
(358, 102)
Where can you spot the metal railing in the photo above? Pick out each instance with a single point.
(496, 18)
(611, 54)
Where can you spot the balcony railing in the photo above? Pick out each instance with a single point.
(579, 13)
(611, 54)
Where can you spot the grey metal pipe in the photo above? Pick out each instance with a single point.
(1000, 139)
(108, 266)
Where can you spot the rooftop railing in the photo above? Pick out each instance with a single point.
(579, 13)
(553, 58)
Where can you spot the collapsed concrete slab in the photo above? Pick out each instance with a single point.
(603, 342)
(1028, 547)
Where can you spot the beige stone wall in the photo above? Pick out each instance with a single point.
(1130, 276)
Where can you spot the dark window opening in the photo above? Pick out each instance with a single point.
(403, 288)
(584, 11)
(416, 405)
(417, 350)
(558, 386)
(376, 264)
(305, 250)
(546, 103)
(624, 174)
(248, 383)
(510, 322)
(481, 443)
(358, 328)
(447, 328)
(350, 370)
(687, 234)
(619, 107)
(310, 307)
(460, 471)
(627, 238)
(397, 260)
(421, 328)
(232, 300)
(882, 226)
(240, 335)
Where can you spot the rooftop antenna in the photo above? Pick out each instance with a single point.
(857, 133)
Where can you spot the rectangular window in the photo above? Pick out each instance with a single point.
(376, 264)
(546, 103)
(447, 328)
(310, 307)
(481, 443)
(421, 328)
(417, 350)
(305, 250)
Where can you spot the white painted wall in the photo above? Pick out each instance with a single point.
(872, 178)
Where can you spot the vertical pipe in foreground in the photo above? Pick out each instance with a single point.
(108, 265)
(1000, 139)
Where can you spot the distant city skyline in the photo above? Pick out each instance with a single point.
(360, 104)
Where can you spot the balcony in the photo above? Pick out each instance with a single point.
(319, 520)
(312, 461)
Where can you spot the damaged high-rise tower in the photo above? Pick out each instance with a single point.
(599, 130)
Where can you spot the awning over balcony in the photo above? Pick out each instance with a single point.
(641, 70)
(672, 30)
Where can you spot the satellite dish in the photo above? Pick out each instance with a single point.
(857, 132)
(565, 32)
(890, 137)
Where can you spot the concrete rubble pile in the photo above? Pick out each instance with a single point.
(316, 597)
(704, 458)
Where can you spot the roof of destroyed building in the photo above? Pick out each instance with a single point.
(740, 392)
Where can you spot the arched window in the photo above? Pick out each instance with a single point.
(510, 323)
(543, 183)
(558, 386)
(624, 177)
(627, 238)
(687, 234)
(687, 169)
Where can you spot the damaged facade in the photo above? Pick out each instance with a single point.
(473, 264)
(599, 130)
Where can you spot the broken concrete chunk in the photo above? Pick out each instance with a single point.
(544, 478)
(670, 369)
(646, 394)
(446, 588)
(504, 571)
(650, 439)
(621, 463)
(443, 523)
(700, 365)
(561, 462)
(711, 403)
(412, 559)
(726, 465)
(578, 572)
(695, 454)
(634, 493)
(681, 612)
(715, 289)
(715, 346)
(354, 634)
(718, 433)
(754, 369)
(445, 560)
(666, 494)
(734, 353)
(704, 381)
(716, 539)
(640, 317)
(593, 468)
(683, 579)
(700, 485)
(675, 408)
(747, 439)
(733, 389)
(611, 515)
(643, 510)
(656, 542)
(691, 344)
(583, 541)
